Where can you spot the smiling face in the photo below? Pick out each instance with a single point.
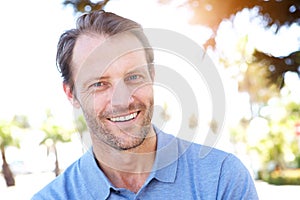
(113, 87)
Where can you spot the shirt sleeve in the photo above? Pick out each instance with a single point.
(235, 181)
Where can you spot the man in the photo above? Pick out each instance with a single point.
(108, 73)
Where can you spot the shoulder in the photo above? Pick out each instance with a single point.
(215, 170)
(194, 156)
(190, 151)
(210, 158)
(201, 153)
(218, 169)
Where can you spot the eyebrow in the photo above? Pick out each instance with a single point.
(142, 68)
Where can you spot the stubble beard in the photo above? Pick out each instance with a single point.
(119, 138)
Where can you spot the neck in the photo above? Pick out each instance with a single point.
(129, 168)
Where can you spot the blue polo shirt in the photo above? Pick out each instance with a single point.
(181, 171)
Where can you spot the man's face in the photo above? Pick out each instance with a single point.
(113, 87)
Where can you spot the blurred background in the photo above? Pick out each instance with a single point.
(254, 44)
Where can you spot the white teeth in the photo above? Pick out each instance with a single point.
(124, 118)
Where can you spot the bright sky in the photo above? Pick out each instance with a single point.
(29, 81)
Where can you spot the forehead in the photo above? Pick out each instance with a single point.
(94, 53)
(105, 47)
(84, 46)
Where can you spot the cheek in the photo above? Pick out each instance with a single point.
(144, 93)
(94, 103)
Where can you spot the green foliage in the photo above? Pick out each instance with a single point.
(277, 146)
(297, 160)
(251, 74)
(6, 138)
(293, 109)
(281, 141)
(273, 148)
(282, 177)
(54, 132)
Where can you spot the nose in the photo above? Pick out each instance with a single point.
(122, 95)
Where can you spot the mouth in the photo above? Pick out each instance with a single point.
(124, 118)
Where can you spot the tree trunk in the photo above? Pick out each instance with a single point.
(57, 171)
(8, 175)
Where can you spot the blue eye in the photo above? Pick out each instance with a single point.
(133, 77)
(98, 84)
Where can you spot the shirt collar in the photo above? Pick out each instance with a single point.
(93, 177)
(164, 168)
(166, 160)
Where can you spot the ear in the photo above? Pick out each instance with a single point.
(71, 97)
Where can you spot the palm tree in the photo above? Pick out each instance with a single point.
(6, 140)
(54, 134)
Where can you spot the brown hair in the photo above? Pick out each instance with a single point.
(99, 22)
